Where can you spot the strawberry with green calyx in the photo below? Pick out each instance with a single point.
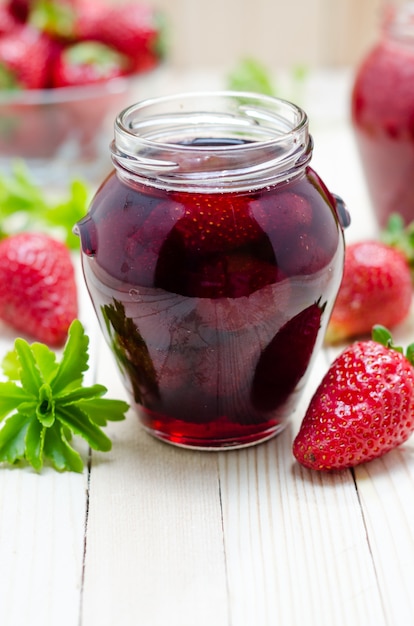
(43, 403)
(133, 28)
(376, 288)
(363, 407)
(56, 18)
(87, 63)
(26, 56)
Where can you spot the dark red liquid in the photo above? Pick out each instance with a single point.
(213, 303)
(383, 118)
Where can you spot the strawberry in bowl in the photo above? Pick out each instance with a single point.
(66, 70)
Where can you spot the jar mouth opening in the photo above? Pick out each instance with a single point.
(228, 135)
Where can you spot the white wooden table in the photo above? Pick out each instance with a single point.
(152, 535)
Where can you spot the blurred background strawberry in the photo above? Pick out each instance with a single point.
(67, 67)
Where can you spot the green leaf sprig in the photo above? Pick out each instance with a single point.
(250, 74)
(24, 206)
(43, 403)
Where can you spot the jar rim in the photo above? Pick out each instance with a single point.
(211, 137)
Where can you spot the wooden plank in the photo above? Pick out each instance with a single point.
(41, 547)
(42, 528)
(296, 549)
(154, 539)
(385, 488)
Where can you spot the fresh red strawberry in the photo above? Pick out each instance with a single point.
(376, 289)
(363, 407)
(132, 28)
(25, 56)
(86, 63)
(38, 294)
(215, 222)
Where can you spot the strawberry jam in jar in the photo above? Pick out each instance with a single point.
(382, 107)
(213, 255)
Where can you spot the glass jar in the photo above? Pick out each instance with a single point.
(213, 255)
(383, 116)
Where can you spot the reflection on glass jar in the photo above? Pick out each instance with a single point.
(213, 255)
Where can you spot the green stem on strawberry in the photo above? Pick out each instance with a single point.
(54, 18)
(382, 335)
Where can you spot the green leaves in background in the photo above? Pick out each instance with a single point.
(24, 206)
(251, 75)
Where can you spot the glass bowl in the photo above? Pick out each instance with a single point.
(65, 132)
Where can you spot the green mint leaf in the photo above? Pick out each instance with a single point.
(30, 376)
(74, 361)
(11, 396)
(34, 441)
(76, 420)
(46, 361)
(102, 410)
(44, 404)
(57, 449)
(45, 409)
(12, 438)
(80, 393)
(11, 365)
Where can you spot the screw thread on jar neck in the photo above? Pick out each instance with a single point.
(212, 141)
